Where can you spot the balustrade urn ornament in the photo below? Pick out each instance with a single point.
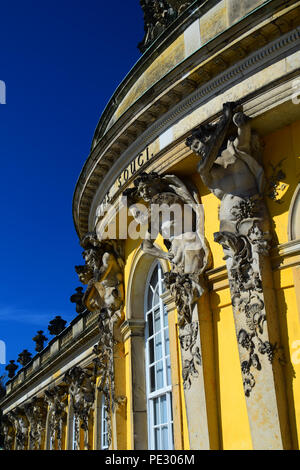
(24, 357)
(7, 431)
(39, 339)
(11, 368)
(56, 326)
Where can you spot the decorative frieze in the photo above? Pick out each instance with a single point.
(175, 212)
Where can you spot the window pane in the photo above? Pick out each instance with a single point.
(167, 342)
(150, 298)
(150, 324)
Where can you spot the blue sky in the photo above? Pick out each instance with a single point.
(61, 61)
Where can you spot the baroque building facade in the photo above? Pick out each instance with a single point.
(187, 336)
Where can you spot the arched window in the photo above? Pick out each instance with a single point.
(158, 366)
(104, 428)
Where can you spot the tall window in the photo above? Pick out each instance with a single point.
(104, 428)
(158, 365)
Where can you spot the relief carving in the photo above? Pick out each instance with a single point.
(21, 425)
(182, 228)
(230, 155)
(36, 412)
(103, 274)
(81, 384)
(158, 15)
(8, 431)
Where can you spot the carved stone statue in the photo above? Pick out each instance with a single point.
(77, 299)
(103, 274)
(182, 228)
(21, 426)
(39, 340)
(81, 384)
(11, 368)
(57, 400)
(8, 431)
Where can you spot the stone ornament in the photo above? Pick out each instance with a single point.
(36, 413)
(103, 274)
(81, 383)
(230, 155)
(57, 400)
(158, 15)
(188, 251)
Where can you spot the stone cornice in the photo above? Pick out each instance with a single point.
(129, 130)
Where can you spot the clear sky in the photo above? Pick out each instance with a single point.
(61, 61)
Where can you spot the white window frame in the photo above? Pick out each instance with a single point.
(166, 390)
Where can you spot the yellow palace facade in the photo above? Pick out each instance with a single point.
(189, 336)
